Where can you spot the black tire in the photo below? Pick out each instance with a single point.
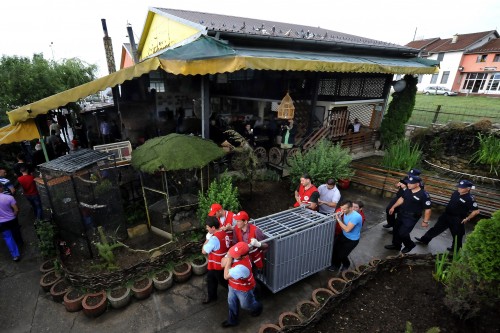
(446, 94)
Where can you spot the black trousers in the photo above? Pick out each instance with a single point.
(401, 232)
(445, 221)
(214, 278)
(341, 249)
(391, 218)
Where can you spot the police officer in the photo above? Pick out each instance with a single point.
(460, 210)
(413, 201)
(391, 218)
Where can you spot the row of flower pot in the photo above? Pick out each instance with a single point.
(306, 309)
(95, 304)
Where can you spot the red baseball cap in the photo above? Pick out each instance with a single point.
(214, 209)
(241, 216)
(238, 250)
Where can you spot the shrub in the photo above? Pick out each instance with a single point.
(325, 160)
(401, 155)
(221, 191)
(489, 152)
(473, 280)
(45, 232)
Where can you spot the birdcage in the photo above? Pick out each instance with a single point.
(300, 244)
(286, 109)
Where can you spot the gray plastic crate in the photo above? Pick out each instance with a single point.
(300, 244)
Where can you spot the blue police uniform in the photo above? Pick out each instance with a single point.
(409, 214)
(456, 211)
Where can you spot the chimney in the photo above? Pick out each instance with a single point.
(454, 38)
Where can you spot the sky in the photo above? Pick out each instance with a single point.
(62, 29)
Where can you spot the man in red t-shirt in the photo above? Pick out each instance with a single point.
(27, 182)
(306, 194)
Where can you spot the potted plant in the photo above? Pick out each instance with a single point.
(118, 297)
(321, 295)
(182, 272)
(199, 264)
(142, 287)
(48, 279)
(306, 309)
(59, 289)
(289, 319)
(45, 232)
(72, 300)
(350, 274)
(269, 328)
(163, 279)
(337, 285)
(47, 266)
(94, 304)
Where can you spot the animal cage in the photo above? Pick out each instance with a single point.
(300, 244)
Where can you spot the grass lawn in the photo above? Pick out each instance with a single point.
(454, 108)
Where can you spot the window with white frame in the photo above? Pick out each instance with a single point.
(156, 81)
(434, 78)
(481, 58)
(444, 78)
(474, 80)
(494, 83)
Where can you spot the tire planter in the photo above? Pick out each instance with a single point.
(336, 285)
(199, 268)
(350, 274)
(142, 288)
(321, 295)
(182, 272)
(289, 319)
(48, 279)
(163, 280)
(72, 300)
(306, 309)
(47, 266)
(59, 289)
(119, 297)
(269, 328)
(95, 304)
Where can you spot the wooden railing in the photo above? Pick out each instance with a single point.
(440, 190)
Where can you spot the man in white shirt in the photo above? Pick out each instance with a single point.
(329, 196)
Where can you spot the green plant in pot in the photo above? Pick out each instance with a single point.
(220, 191)
(45, 232)
(105, 250)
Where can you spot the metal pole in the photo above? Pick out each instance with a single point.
(42, 140)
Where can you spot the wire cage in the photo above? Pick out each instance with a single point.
(83, 193)
(300, 244)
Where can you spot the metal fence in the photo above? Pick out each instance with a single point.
(300, 244)
(442, 114)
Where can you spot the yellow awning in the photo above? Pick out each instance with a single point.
(74, 94)
(19, 132)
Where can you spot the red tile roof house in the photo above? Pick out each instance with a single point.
(450, 53)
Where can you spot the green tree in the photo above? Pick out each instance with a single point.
(399, 112)
(24, 80)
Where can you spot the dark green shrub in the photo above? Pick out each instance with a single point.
(401, 155)
(45, 232)
(473, 280)
(220, 191)
(325, 160)
(488, 153)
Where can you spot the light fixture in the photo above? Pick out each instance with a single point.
(399, 85)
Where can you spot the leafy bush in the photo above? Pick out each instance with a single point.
(105, 250)
(325, 160)
(220, 191)
(489, 152)
(401, 155)
(46, 232)
(473, 280)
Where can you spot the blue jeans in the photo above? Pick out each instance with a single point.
(246, 300)
(36, 203)
(11, 244)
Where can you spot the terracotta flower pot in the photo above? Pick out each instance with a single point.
(72, 300)
(200, 266)
(59, 289)
(337, 285)
(142, 288)
(350, 274)
(163, 280)
(47, 266)
(364, 269)
(289, 319)
(48, 279)
(321, 295)
(306, 309)
(374, 262)
(182, 272)
(269, 328)
(119, 297)
(95, 304)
